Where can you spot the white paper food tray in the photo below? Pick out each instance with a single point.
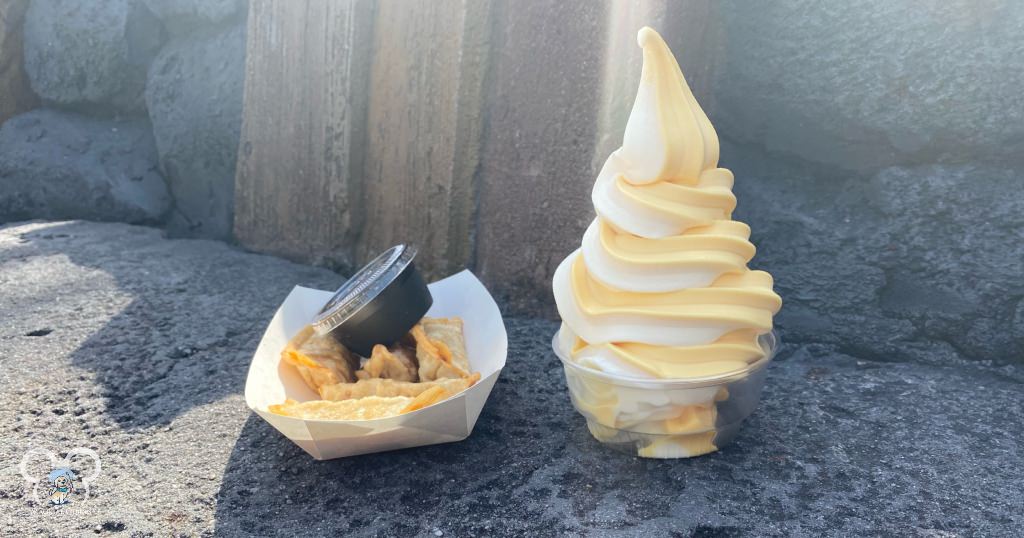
(270, 381)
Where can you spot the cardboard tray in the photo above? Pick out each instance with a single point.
(270, 381)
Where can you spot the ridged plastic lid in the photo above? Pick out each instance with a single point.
(363, 287)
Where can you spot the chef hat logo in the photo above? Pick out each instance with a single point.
(39, 466)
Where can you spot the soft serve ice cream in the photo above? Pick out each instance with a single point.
(660, 287)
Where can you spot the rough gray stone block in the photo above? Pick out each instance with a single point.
(90, 55)
(879, 263)
(183, 16)
(872, 84)
(60, 165)
(194, 97)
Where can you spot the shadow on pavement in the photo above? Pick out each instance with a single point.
(496, 482)
(195, 311)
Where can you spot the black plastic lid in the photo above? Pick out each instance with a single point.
(379, 304)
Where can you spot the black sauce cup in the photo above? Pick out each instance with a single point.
(379, 304)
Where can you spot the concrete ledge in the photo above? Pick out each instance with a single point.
(142, 345)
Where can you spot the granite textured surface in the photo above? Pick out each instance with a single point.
(194, 98)
(63, 165)
(908, 262)
(865, 85)
(136, 346)
(185, 16)
(90, 56)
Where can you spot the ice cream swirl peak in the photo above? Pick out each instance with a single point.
(668, 137)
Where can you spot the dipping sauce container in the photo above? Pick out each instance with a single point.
(379, 304)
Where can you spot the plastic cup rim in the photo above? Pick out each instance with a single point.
(769, 342)
(363, 287)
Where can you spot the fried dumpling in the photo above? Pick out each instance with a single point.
(397, 363)
(448, 332)
(367, 408)
(435, 358)
(427, 398)
(320, 360)
(390, 388)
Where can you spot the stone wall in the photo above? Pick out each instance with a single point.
(879, 157)
(142, 109)
(865, 85)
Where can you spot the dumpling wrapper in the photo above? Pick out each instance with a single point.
(428, 398)
(448, 331)
(320, 360)
(391, 388)
(435, 358)
(367, 408)
(398, 363)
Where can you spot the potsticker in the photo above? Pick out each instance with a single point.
(429, 397)
(390, 387)
(397, 363)
(320, 360)
(367, 408)
(448, 332)
(435, 358)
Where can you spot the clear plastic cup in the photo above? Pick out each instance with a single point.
(666, 418)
